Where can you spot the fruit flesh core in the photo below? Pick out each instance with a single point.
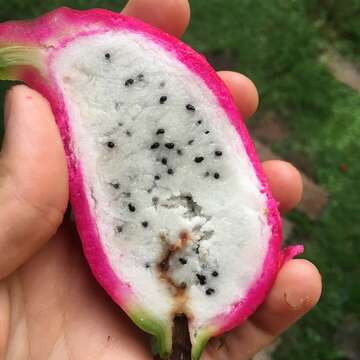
(179, 208)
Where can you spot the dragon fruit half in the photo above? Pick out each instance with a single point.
(174, 212)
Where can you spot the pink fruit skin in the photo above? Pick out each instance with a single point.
(54, 31)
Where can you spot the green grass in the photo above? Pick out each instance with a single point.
(339, 23)
(278, 44)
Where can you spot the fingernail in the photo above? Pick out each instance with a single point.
(294, 301)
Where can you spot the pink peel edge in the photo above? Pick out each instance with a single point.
(45, 29)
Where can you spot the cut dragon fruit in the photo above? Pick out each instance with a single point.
(173, 209)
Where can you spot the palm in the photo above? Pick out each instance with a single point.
(51, 307)
(74, 317)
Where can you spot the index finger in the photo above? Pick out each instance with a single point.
(33, 178)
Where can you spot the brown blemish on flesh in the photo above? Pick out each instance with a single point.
(184, 238)
(163, 266)
(163, 237)
(67, 79)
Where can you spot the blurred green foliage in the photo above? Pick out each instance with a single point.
(339, 22)
(279, 44)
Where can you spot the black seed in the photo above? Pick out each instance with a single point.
(140, 77)
(110, 144)
(215, 274)
(201, 278)
(163, 100)
(120, 124)
(179, 152)
(160, 131)
(199, 122)
(157, 177)
(145, 224)
(199, 159)
(190, 142)
(149, 191)
(154, 146)
(190, 107)
(170, 171)
(207, 174)
(188, 198)
(107, 56)
(209, 291)
(182, 261)
(115, 185)
(217, 176)
(218, 153)
(164, 161)
(119, 229)
(207, 132)
(129, 82)
(170, 145)
(128, 133)
(155, 200)
(147, 265)
(162, 84)
(131, 207)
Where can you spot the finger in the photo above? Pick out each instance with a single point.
(243, 91)
(33, 178)
(172, 16)
(285, 183)
(296, 290)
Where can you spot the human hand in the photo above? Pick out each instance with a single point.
(50, 305)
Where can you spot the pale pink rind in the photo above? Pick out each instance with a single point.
(53, 31)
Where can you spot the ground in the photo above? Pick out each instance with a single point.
(284, 46)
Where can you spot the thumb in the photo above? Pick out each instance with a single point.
(33, 178)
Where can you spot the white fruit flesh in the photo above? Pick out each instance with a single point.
(127, 98)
